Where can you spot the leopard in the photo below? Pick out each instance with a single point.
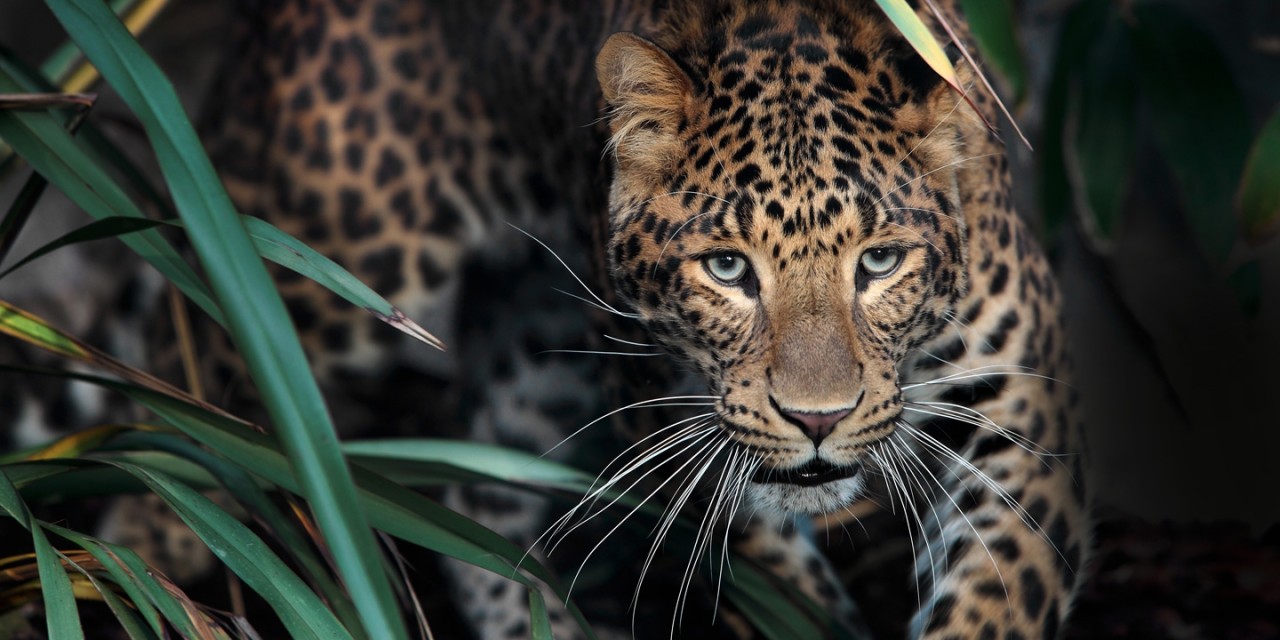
(774, 210)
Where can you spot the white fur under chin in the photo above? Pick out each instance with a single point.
(789, 498)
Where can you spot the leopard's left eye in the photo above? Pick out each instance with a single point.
(728, 268)
(880, 262)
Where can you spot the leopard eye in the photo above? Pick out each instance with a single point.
(881, 261)
(729, 268)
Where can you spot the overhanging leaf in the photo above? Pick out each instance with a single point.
(995, 29)
(1199, 118)
(1099, 132)
(1258, 200)
(1075, 40)
(921, 39)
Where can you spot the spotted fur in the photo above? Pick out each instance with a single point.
(803, 137)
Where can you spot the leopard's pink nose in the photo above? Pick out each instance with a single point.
(816, 425)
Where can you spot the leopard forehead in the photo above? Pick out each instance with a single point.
(798, 143)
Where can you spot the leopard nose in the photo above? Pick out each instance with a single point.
(815, 424)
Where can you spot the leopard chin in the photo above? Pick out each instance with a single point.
(806, 498)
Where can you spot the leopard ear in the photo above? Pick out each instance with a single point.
(647, 95)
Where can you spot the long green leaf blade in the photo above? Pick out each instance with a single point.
(61, 616)
(247, 555)
(921, 39)
(134, 576)
(45, 144)
(256, 316)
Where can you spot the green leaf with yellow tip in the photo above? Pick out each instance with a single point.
(920, 38)
(29, 328)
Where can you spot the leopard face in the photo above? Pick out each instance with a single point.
(785, 219)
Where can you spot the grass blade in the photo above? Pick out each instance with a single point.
(285, 250)
(19, 212)
(128, 617)
(247, 555)
(41, 139)
(921, 39)
(110, 227)
(256, 316)
(61, 616)
(152, 597)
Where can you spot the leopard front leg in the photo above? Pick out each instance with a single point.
(1006, 536)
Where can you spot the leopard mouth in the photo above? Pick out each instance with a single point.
(816, 472)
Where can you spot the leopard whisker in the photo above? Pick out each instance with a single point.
(634, 344)
(703, 535)
(604, 305)
(651, 403)
(971, 416)
(685, 436)
(593, 493)
(750, 466)
(926, 137)
(976, 534)
(682, 492)
(906, 228)
(640, 505)
(919, 474)
(933, 171)
(897, 485)
(982, 372)
(591, 303)
(680, 228)
(932, 444)
(602, 353)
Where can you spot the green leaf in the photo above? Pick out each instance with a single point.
(1075, 41)
(392, 508)
(29, 328)
(301, 611)
(251, 495)
(61, 616)
(1258, 200)
(284, 250)
(921, 39)
(41, 139)
(255, 314)
(491, 461)
(137, 580)
(128, 617)
(1099, 133)
(540, 621)
(111, 227)
(19, 212)
(1200, 121)
(994, 27)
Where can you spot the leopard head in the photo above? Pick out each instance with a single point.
(785, 218)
